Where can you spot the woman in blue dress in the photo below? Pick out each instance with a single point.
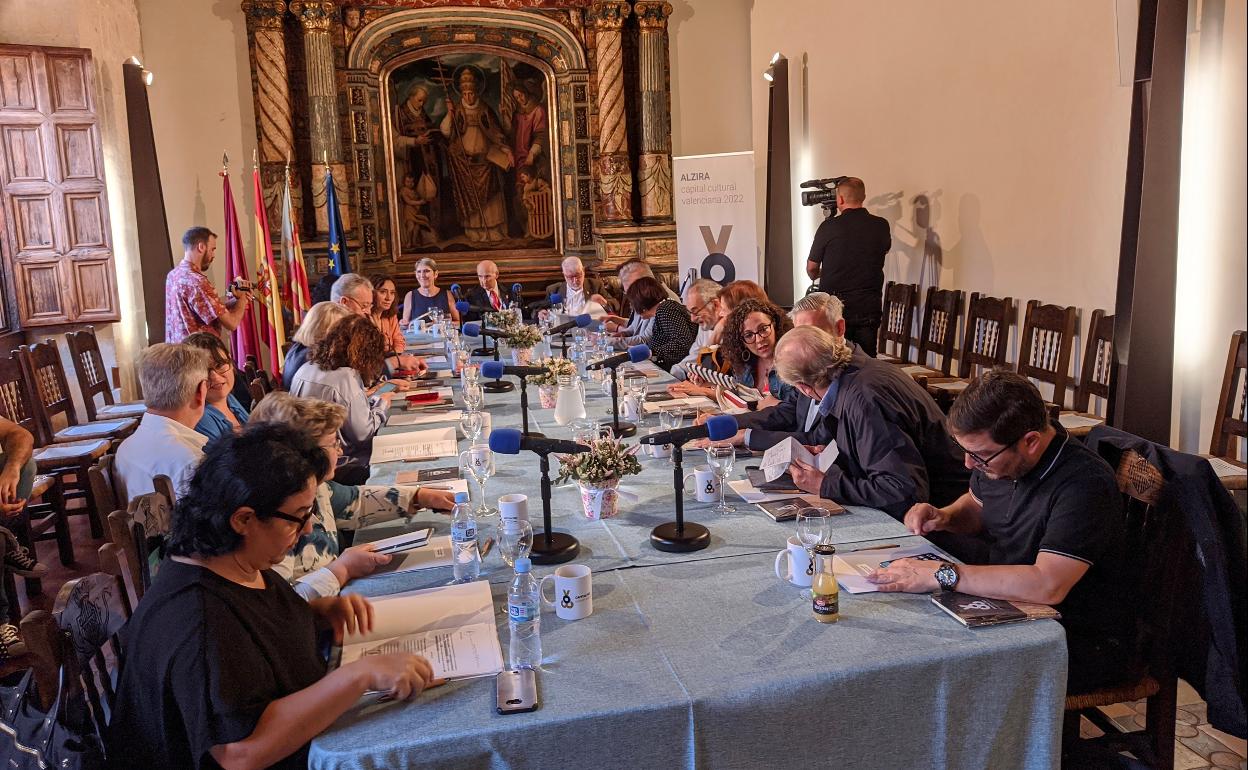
(223, 413)
(428, 295)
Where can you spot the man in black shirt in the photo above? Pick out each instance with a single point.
(1053, 514)
(847, 258)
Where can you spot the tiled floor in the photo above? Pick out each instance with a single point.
(1198, 746)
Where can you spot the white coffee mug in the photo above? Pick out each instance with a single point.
(705, 484)
(659, 451)
(795, 564)
(574, 592)
(513, 508)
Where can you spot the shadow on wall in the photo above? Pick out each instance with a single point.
(682, 12)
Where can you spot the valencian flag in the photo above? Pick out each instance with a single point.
(339, 262)
(245, 341)
(295, 291)
(269, 287)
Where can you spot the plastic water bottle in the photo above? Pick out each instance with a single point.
(467, 558)
(524, 618)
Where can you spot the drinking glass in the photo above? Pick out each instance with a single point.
(635, 388)
(814, 526)
(470, 373)
(671, 419)
(474, 397)
(478, 461)
(721, 457)
(471, 423)
(515, 540)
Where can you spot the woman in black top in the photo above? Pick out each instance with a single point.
(221, 667)
(673, 332)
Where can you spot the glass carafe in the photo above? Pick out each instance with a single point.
(570, 400)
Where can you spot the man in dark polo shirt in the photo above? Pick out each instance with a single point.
(847, 258)
(1053, 513)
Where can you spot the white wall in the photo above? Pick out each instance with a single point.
(710, 76)
(1008, 115)
(1213, 257)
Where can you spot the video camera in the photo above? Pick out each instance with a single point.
(823, 194)
(239, 285)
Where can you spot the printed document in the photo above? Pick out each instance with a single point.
(777, 459)
(414, 445)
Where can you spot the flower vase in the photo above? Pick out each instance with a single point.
(522, 356)
(548, 395)
(601, 501)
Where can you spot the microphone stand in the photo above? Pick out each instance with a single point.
(551, 547)
(677, 536)
(495, 386)
(524, 412)
(622, 429)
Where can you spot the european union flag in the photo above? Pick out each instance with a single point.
(339, 261)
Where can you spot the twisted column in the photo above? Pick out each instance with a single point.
(654, 173)
(615, 181)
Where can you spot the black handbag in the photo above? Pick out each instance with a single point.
(63, 737)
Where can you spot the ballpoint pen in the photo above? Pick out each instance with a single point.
(873, 548)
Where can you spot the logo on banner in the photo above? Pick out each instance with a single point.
(716, 247)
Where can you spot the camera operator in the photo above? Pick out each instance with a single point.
(847, 258)
(191, 302)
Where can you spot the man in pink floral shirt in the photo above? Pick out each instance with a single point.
(191, 302)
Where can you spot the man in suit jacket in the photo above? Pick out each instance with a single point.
(486, 294)
(576, 288)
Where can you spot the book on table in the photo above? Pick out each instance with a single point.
(978, 611)
(426, 475)
(428, 444)
(685, 403)
(432, 552)
(785, 509)
(452, 626)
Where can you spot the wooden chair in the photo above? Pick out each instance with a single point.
(1154, 562)
(140, 532)
(985, 340)
(1095, 374)
(84, 350)
(939, 332)
(68, 463)
(164, 485)
(80, 635)
(41, 363)
(900, 300)
(1047, 339)
(1230, 422)
(103, 485)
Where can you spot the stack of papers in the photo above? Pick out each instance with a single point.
(1224, 469)
(776, 460)
(424, 418)
(414, 445)
(689, 402)
(1073, 421)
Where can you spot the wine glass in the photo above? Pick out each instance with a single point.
(471, 423)
(635, 390)
(721, 456)
(478, 461)
(515, 540)
(474, 397)
(470, 373)
(814, 526)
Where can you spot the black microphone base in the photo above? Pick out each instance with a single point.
(665, 537)
(498, 386)
(560, 547)
(624, 430)
(483, 351)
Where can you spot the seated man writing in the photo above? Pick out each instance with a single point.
(1053, 514)
(893, 448)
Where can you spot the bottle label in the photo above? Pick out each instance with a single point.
(463, 531)
(521, 612)
(826, 605)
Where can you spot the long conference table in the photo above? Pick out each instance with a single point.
(708, 660)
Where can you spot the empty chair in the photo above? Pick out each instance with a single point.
(939, 332)
(84, 350)
(42, 364)
(1047, 339)
(1230, 422)
(1095, 375)
(985, 340)
(900, 300)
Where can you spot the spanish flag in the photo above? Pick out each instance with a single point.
(269, 288)
(296, 290)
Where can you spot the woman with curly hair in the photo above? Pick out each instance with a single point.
(339, 368)
(749, 346)
(733, 294)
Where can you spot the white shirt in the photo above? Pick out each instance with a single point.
(680, 371)
(574, 301)
(159, 446)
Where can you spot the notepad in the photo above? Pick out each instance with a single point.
(1071, 421)
(436, 552)
(414, 445)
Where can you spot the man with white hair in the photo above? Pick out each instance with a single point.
(894, 449)
(354, 292)
(702, 301)
(580, 293)
(175, 389)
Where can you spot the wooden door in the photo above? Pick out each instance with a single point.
(57, 238)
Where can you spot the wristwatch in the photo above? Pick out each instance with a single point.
(947, 575)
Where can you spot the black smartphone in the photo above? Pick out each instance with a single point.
(515, 691)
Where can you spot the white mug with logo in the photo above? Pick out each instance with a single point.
(513, 508)
(659, 451)
(795, 564)
(574, 591)
(705, 484)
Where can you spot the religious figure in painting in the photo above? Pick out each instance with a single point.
(479, 154)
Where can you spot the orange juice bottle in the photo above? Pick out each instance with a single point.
(825, 593)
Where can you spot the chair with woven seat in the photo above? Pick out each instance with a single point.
(1047, 339)
(84, 351)
(1095, 373)
(69, 463)
(1230, 422)
(1154, 561)
(80, 635)
(986, 338)
(46, 374)
(900, 300)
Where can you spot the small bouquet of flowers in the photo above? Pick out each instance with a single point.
(554, 368)
(598, 472)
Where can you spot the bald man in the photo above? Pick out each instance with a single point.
(486, 293)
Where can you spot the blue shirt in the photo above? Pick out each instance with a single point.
(829, 399)
(213, 424)
(775, 386)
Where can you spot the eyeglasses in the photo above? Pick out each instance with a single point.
(758, 333)
(365, 306)
(302, 521)
(983, 462)
(694, 312)
(337, 446)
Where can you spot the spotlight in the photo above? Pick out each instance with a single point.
(770, 73)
